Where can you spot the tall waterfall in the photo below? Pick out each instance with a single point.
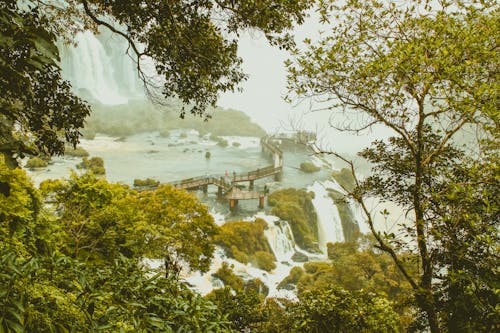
(329, 223)
(99, 68)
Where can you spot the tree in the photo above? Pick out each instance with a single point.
(192, 44)
(426, 71)
(101, 221)
(38, 112)
(335, 310)
(79, 267)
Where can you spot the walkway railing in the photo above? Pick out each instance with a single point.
(227, 182)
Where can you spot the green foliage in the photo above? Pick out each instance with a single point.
(76, 152)
(292, 278)
(226, 275)
(208, 155)
(194, 52)
(242, 308)
(336, 310)
(19, 206)
(39, 113)
(36, 162)
(236, 144)
(94, 164)
(425, 71)
(295, 206)
(467, 232)
(146, 182)
(56, 293)
(309, 167)
(355, 266)
(245, 241)
(78, 268)
(264, 260)
(102, 221)
(142, 116)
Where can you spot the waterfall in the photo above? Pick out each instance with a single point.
(280, 238)
(355, 207)
(329, 223)
(99, 69)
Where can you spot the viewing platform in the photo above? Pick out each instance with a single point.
(227, 184)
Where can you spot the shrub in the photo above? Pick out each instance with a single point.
(95, 165)
(236, 144)
(264, 260)
(296, 207)
(76, 152)
(244, 241)
(146, 182)
(208, 155)
(256, 285)
(226, 275)
(293, 277)
(222, 142)
(183, 135)
(309, 167)
(36, 162)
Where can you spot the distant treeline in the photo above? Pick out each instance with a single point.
(141, 116)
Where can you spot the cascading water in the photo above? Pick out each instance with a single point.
(329, 223)
(99, 69)
(280, 239)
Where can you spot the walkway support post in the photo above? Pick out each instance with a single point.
(219, 191)
(233, 203)
(261, 202)
(277, 177)
(205, 188)
(251, 185)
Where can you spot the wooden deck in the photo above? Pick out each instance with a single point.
(227, 183)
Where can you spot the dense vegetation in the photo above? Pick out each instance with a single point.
(245, 241)
(93, 164)
(36, 162)
(77, 265)
(76, 152)
(296, 207)
(424, 71)
(150, 182)
(141, 116)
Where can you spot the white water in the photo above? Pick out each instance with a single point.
(329, 223)
(99, 69)
(280, 238)
(281, 242)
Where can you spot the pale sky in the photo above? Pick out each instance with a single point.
(262, 96)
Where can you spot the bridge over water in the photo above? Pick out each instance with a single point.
(227, 185)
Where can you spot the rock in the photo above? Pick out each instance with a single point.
(300, 257)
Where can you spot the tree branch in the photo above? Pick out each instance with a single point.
(443, 142)
(359, 198)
